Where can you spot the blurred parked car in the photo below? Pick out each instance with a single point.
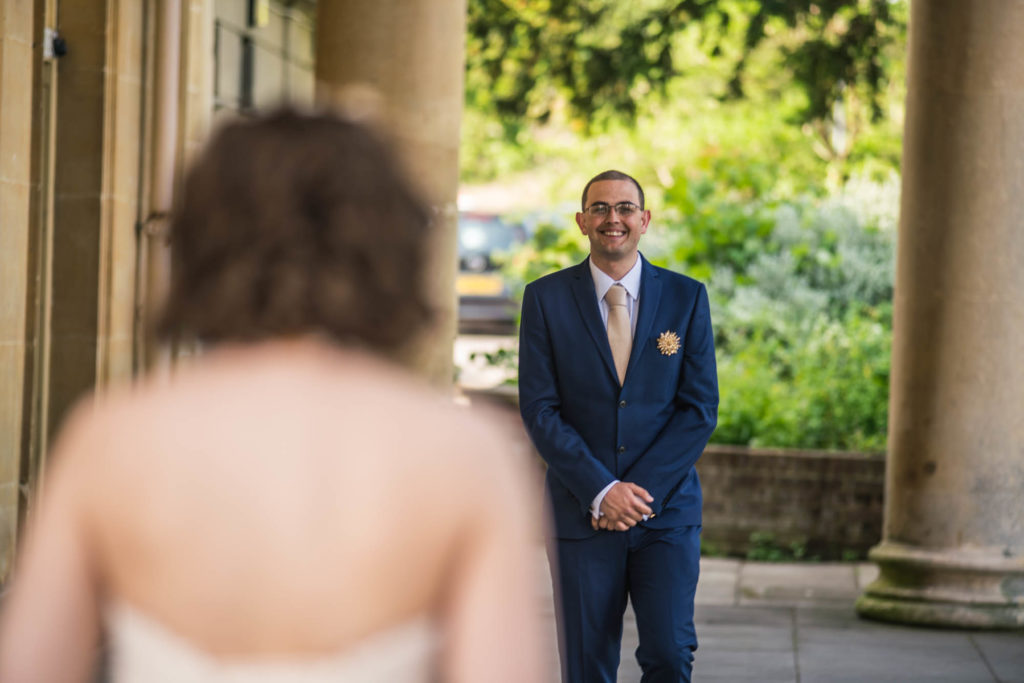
(485, 300)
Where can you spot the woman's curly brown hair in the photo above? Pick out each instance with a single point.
(295, 223)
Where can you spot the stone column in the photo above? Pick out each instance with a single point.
(402, 62)
(97, 119)
(17, 62)
(952, 552)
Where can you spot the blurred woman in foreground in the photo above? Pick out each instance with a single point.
(290, 506)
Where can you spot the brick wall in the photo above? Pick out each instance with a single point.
(827, 502)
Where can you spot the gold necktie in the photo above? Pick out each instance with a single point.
(620, 333)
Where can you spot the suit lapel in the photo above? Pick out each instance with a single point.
(586, 301)
(650, 296)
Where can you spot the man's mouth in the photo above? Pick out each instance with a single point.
(613, 233)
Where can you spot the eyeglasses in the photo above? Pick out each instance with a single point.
(601, 209)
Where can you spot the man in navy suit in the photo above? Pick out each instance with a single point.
(619, 393)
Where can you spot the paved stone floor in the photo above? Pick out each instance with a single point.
(794, 623)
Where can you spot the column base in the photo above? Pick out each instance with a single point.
(950, 588)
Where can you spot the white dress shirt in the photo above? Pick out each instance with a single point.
(602, 283)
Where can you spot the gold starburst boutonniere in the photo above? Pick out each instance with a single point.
(668, 343)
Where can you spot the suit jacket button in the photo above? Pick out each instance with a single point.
(622, 449)
(622, 404)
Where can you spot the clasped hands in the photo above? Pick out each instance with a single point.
(623, 507)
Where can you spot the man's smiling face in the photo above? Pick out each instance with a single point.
(613, 237)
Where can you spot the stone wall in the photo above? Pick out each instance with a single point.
(16, 72)
(827, 503)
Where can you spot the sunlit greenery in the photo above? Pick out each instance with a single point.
(813, 89)
(767, 137)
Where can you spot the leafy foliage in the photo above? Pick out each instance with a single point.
(525, 58)
(764, 548)
(767, 137)
(528, 58)
(801, 302)
(842, 43)
(801, 299)
(826, 388)
(562, 99)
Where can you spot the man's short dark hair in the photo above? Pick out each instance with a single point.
(611, 175)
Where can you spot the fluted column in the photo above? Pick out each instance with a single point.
(952, 552)
(401, 63)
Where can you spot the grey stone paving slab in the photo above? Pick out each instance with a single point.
(892, 676)
(763, 667)
(835, 616)
(737, 640)
(885, 638)
(629, 669)
(876, 653)
(745, 644)
(717, 587)
(720, 563)
(797, 583)
(1004, 653)
(761, 615)
(785, 598)
(800, 573)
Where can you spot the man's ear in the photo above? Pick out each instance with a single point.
(580, 222)
(645, 221)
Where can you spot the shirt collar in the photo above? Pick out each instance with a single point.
(603, 282)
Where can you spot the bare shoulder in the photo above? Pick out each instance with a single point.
(279, 415)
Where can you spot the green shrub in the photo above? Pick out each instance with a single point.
(803, 324)
(764, 548)
(801, 295)
(826, 387)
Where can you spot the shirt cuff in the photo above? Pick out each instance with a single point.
(595, 506)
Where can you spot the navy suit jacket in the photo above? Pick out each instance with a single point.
(588, 429)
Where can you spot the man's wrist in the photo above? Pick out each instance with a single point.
(595, 505)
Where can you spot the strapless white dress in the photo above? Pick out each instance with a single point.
(144, 651)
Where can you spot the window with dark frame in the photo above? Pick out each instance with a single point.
(263, 53)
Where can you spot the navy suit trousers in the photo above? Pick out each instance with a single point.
(657, 570)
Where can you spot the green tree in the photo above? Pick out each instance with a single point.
(812, 90)
(526, 58)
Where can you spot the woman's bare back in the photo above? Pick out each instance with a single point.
(292, 499)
